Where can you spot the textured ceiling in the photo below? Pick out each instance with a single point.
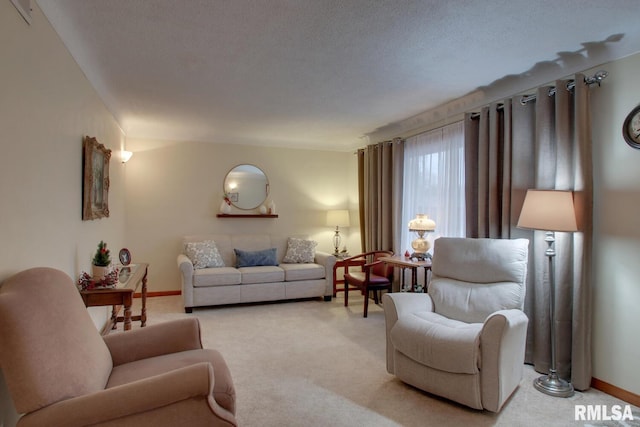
(320, 73)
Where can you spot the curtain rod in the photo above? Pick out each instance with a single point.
(595, 79)
(395, 140)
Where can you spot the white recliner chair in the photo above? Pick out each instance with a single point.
(465, 339)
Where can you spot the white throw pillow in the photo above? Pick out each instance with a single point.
(203, 254)
(300, 251)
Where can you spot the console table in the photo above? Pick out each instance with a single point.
(130, 278)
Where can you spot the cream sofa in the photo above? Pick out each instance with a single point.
(230, 285)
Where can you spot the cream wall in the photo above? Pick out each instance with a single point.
(175, 189)
(616, 316)
(46, 106)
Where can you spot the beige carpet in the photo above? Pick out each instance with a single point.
(316, 363)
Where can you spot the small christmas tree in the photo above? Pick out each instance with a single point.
(102, 257)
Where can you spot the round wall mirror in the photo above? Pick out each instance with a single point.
(246, 186)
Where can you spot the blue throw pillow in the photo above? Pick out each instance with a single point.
(251, 259)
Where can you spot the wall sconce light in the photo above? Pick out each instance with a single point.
(125, 155)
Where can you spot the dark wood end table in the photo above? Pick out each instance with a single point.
(131, 277)
(341, 263)
(412, 264)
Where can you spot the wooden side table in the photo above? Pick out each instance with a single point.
(404, 263)
(341, 263)
(130, 278)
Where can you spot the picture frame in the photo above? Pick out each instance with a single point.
(124, 256)
(95, 184)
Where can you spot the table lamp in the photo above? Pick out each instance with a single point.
(421, 224)
(337, 218)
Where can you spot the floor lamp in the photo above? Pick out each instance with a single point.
(550, 210)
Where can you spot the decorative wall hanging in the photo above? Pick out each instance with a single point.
(95, 186)
(245, 187)
(631, 128)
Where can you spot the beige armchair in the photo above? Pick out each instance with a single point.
(465, 339)
(61, 372)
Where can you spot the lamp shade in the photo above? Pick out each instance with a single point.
(550, 210)
(338, 218)
(125, 156)
(422, 223)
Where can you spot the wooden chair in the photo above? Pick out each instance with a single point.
(374, 276)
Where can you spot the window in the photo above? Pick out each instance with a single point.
(433, 182)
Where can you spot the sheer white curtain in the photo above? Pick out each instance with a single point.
(434, 182)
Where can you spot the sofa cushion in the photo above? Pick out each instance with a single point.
(261, 274)
(216, 277)
(203, 254)
(300, 251)
(293, 272)
(438, 342)
(256, 258)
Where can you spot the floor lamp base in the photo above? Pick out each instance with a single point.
(553, 385)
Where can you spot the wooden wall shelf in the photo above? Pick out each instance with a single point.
(246, 216)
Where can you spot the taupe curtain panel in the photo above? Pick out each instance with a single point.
(545, 144)
(379, 184)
